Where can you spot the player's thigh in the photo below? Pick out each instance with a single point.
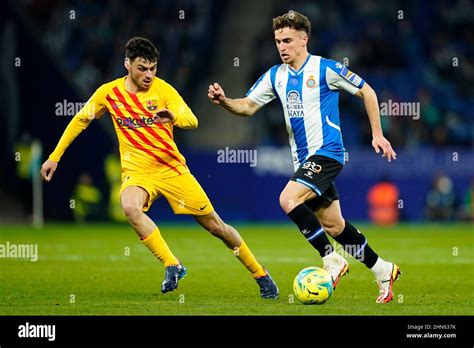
(330, 217)
(294, 194)
(138, 191)
(185, 195)
(312, 179)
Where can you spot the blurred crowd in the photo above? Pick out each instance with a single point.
(418, 51)
(89, 36)
(442, 203)
(415, 52)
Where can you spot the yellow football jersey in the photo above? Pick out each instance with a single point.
(146, 146)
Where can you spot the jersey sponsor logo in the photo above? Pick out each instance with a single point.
(152, 105)
(312, 166)
(294, 105)
(311, 82)
(132, 122)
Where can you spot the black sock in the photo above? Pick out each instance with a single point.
(356, 245)
(309, 225)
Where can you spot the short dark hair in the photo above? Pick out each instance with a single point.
(139, 47)
(293, 20)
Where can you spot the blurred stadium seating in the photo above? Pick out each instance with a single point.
(69, 48)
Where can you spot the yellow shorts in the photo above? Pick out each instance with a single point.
(183, 192)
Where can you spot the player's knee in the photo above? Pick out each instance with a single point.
(288, 202)
(334, 228)
(283, 201)
(131, 211)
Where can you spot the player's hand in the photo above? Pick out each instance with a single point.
(379, 142)
(47, 170)
(165, 116)
(216, 93)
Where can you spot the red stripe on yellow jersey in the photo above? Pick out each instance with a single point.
(146, 146)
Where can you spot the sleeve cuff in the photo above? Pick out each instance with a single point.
(53, 158)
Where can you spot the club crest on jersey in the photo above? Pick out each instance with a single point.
(152, 105)
(311, 82)
(294, 105)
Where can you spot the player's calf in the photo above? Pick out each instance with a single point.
(311, 229)
(219, 229)
(355, 244)
(333, 228)
(314, 233)
(232, 239)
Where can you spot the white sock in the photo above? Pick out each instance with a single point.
(381, 269)
(331, 259)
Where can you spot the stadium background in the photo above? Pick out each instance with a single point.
(67, 49)
(54, 54)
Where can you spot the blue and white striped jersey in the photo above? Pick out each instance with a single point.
(310, 98)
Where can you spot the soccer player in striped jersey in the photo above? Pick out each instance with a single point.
(308, 88)
(144, 110)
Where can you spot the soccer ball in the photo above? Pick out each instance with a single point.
(313, 285)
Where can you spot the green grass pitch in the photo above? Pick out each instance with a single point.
(105, 270)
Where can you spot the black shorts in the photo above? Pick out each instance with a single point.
(318, 173)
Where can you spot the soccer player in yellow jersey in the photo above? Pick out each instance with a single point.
(144, 110)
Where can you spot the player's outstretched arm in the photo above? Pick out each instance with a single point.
(240, 106)
(372, 107)
(47, 170)
(74, 128)
(94, 108)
